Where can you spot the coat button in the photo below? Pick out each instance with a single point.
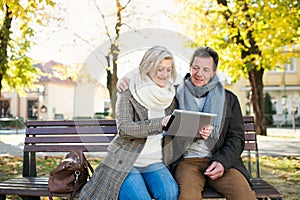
(120, 162)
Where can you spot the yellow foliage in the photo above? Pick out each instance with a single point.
(243, 31)
(16, 67)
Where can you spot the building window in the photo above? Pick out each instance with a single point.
(5, 108)
(32, 109)
(290, 67)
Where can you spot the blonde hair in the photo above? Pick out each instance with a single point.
(152, 58)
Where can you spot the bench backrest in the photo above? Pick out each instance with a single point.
(64, 136)
(95, 136)
(251, 146)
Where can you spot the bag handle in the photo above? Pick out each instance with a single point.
(50, 195)
(83, 160)
(89, 166)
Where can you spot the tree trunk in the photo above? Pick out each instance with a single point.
(114, 80)
(257, 100)
(4, 39)
(112, 72)
(114, 52)
(1, 78)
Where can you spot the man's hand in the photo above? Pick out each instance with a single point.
(215, 170)
(123, 84)
(205, 132)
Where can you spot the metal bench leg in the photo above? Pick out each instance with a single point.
(2, 196)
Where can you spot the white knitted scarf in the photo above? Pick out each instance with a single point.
(156, 99)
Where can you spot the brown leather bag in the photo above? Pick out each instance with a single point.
(70, 175)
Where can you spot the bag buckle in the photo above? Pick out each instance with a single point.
(77, 173)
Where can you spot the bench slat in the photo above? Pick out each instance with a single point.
(38, 187)
(71, 130)
(33, 186)
(65, 148)
(250, 137)
(248, 119)
(23, 180)
(69, 139)
(102, 122)
(250, 146)
(249, 127)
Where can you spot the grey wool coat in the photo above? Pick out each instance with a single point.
(133, 129)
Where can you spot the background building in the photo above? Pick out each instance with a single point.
(53, 99)
(283, 86)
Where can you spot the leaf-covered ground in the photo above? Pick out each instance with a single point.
(11, 167)
(282, 172)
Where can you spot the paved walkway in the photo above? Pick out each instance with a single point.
(12, 144)
(278, 146)
(279, 142)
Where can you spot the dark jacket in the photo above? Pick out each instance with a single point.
(230, 145)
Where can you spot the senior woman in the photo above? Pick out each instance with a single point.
(137, 159)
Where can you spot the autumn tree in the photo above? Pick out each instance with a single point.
(251, 36)
(16, 32)
(112, 55)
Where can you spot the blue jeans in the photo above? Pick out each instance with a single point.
(154, 181)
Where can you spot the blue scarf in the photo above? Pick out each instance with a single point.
(214, 94)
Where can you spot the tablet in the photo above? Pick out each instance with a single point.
(188, 123)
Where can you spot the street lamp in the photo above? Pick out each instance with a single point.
(284, 98)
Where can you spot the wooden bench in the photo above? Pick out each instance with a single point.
(95, 136)
(56, 136)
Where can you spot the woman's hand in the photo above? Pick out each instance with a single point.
(123, 84)
(206, 131)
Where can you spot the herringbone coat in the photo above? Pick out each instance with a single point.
(133, 126)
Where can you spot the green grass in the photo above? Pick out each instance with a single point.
(282, 172)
